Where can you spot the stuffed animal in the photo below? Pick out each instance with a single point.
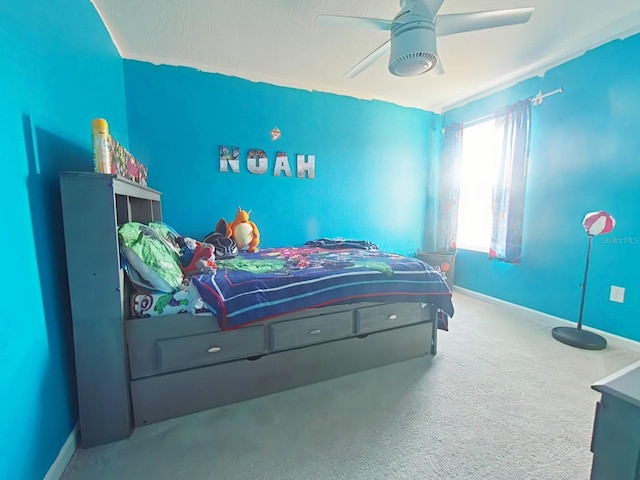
(196, 257)
(244, 232)
(224, 247)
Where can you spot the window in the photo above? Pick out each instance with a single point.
(482, 184)
(478, 170)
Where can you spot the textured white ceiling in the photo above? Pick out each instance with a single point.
(278, 42)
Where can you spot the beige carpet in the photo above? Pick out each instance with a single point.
(501, 400)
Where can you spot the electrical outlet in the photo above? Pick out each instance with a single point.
(617, 294)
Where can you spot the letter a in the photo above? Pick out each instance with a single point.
(282, 165)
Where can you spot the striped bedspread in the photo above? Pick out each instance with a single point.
(276, 281)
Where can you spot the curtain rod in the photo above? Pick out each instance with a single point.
(537, 100)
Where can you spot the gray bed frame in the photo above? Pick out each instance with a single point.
(132, 372)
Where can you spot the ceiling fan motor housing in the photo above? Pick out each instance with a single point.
(413, 49)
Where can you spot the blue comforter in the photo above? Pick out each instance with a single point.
(276, 281)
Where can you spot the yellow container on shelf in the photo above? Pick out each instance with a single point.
(101, 152)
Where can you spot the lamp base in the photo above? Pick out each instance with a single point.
(579, 338)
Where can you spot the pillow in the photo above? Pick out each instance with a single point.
(150, 252)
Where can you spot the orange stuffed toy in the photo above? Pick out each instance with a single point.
(244, 232)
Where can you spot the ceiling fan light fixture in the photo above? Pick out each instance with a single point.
(413, 64)
(413, 49)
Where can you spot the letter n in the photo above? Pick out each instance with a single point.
(229, 157)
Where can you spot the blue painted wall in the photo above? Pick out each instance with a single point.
(584, 157)
(372, 158)
(58, 70)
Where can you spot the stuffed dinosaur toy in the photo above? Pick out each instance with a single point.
(244, 232)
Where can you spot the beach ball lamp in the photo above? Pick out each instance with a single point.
(598, 223)
(594, 223)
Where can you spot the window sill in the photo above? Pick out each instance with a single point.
(474, 248)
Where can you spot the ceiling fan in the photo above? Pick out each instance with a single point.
(414, 30)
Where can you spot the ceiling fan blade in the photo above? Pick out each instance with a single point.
(369, 59)
(354, 22)
(467, 22)
(426, 8)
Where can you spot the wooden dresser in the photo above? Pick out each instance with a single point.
(616, 431)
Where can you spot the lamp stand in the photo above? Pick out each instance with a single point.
(576, 337)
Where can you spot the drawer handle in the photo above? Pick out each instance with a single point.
(393, 316)
(214, 350)
(314, 332)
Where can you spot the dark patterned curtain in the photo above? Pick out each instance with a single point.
(449, 187)
(513, 125)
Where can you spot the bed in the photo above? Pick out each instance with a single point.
(275, 281)
(262, 323)
(255, 287)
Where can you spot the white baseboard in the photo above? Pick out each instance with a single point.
(549, 319)
(64, 457)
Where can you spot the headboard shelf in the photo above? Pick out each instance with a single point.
(94, 205)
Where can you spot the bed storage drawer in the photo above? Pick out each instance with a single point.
(209, 348)
(383, 317)
(311, 330)
(167, 396)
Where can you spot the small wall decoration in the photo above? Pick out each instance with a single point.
(229, 157)
(275, 134)
(258, 162)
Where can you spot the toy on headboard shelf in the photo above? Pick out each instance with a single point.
(244, 232)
